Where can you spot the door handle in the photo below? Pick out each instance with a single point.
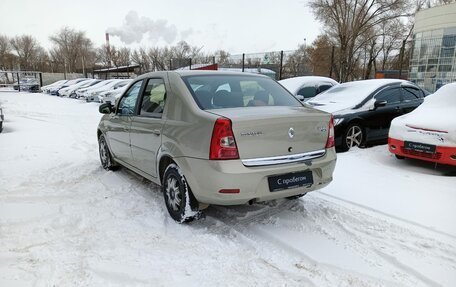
(156, 132)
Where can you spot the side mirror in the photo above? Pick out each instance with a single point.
(300, 97)
(106, 108)
(380, 104)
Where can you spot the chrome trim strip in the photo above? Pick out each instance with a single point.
(300, 157)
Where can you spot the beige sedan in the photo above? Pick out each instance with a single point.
(217, 138)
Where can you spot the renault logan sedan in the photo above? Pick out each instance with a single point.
(217, 138)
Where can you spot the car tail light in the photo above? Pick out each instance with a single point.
(330, 140)
(223, 144)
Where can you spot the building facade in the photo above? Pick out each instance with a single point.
(433, 58)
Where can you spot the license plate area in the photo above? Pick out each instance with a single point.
(290, 180)
(420, 147)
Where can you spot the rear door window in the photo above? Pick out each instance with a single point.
(153, 99)
(411, 94)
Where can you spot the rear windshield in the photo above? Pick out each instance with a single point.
(229, 91)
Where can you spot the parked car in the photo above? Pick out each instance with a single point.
(27, 84)
(86, 84)
(66, 92)
(429, 132)
(2, 118)
(307, 87)
(363, 110)
(55, 90)
(83, 92)
(112, 95)
(217, 144)
(94, 96)
(46, 89)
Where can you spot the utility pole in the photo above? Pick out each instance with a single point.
(401, 58)
(332, 62)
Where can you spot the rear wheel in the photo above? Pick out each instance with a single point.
(105, 155)
(353, 136)
(179, 200)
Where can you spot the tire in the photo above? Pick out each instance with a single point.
(353, 136)
(1, 127)
(294, 197)
(399, 156)
(179, 200)
(105, 155)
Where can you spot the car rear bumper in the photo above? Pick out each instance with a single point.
(442, 155)
(206, 178)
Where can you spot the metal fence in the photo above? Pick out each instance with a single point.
(275, 64)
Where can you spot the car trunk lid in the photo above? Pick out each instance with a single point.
(276, 131)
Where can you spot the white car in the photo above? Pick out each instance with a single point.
(95, 96)
(84, 92)
(429, 132)
(113, 95)
(87, 84)
(66, 92)
(55, 91)
(47, 89)
(307, 87)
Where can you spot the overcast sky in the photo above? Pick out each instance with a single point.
(236, 26)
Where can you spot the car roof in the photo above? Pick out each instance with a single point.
(375, 83)
(293, 84)
(183, 73)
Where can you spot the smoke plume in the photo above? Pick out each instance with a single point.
(135, 27)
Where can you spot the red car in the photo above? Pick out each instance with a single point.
(429, 132)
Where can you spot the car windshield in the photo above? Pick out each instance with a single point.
(233, 91)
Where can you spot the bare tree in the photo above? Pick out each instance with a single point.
(140, 58)
(5, 52)
(27, 49)
(320, 55)
(348, 20)
(74, 45)
(104, 55)
(121, 57)
(297, 63)
(222, 57)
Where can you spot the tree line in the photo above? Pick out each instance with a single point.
(359, 37)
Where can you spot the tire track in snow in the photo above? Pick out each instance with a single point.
(239, 224)
(331, 198)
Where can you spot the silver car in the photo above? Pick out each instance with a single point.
(220, 138)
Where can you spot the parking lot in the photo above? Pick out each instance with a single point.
(65, 221)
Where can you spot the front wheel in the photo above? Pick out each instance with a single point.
(179, 200)
(353, 136)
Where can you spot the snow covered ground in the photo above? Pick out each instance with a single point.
(64, 221)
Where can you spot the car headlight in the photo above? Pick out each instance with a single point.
(338, 121)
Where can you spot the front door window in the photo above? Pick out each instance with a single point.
(128, 102)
